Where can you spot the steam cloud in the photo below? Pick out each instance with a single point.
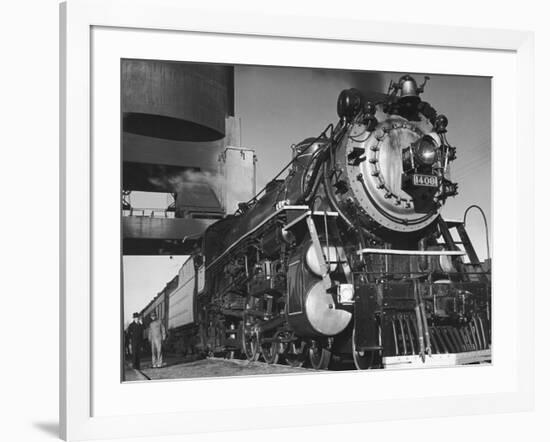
(230, 189)
(178, 181)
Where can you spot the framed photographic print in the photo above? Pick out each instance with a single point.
(243, 213)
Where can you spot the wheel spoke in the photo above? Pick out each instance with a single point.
(319, 357)
(250, 341)
(270, 351)
(294, 354)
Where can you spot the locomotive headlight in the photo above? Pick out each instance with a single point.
(425, 151)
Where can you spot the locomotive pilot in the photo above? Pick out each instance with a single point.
(156, 335)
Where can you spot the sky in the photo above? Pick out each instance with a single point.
(281, 106)
(144, 277)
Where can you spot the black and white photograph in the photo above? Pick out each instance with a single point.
(287, 220)
(275, 221)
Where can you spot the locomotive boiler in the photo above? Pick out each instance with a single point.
(347, 258)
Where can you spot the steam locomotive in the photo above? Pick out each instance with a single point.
(347, 258)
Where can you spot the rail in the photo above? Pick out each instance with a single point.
(147, 212)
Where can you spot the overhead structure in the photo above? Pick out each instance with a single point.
(177, 121)
(175, 100)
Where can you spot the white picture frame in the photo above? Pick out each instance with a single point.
(80, 379)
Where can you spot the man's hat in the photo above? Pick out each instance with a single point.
(136, 315)
(153, 315)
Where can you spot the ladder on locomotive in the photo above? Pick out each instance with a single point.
(445, 227)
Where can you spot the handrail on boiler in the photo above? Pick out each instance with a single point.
(412, 252)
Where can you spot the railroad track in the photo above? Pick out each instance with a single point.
(212, 367)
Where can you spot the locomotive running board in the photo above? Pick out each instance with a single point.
(437, 360)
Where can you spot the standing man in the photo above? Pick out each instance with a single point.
(157, 334)
(135, 332)
(127, 346)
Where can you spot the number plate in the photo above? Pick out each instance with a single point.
(425, 180)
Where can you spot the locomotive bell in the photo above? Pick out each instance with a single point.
(408, 86)
(409, 91)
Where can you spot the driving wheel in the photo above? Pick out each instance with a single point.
(319, 357)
